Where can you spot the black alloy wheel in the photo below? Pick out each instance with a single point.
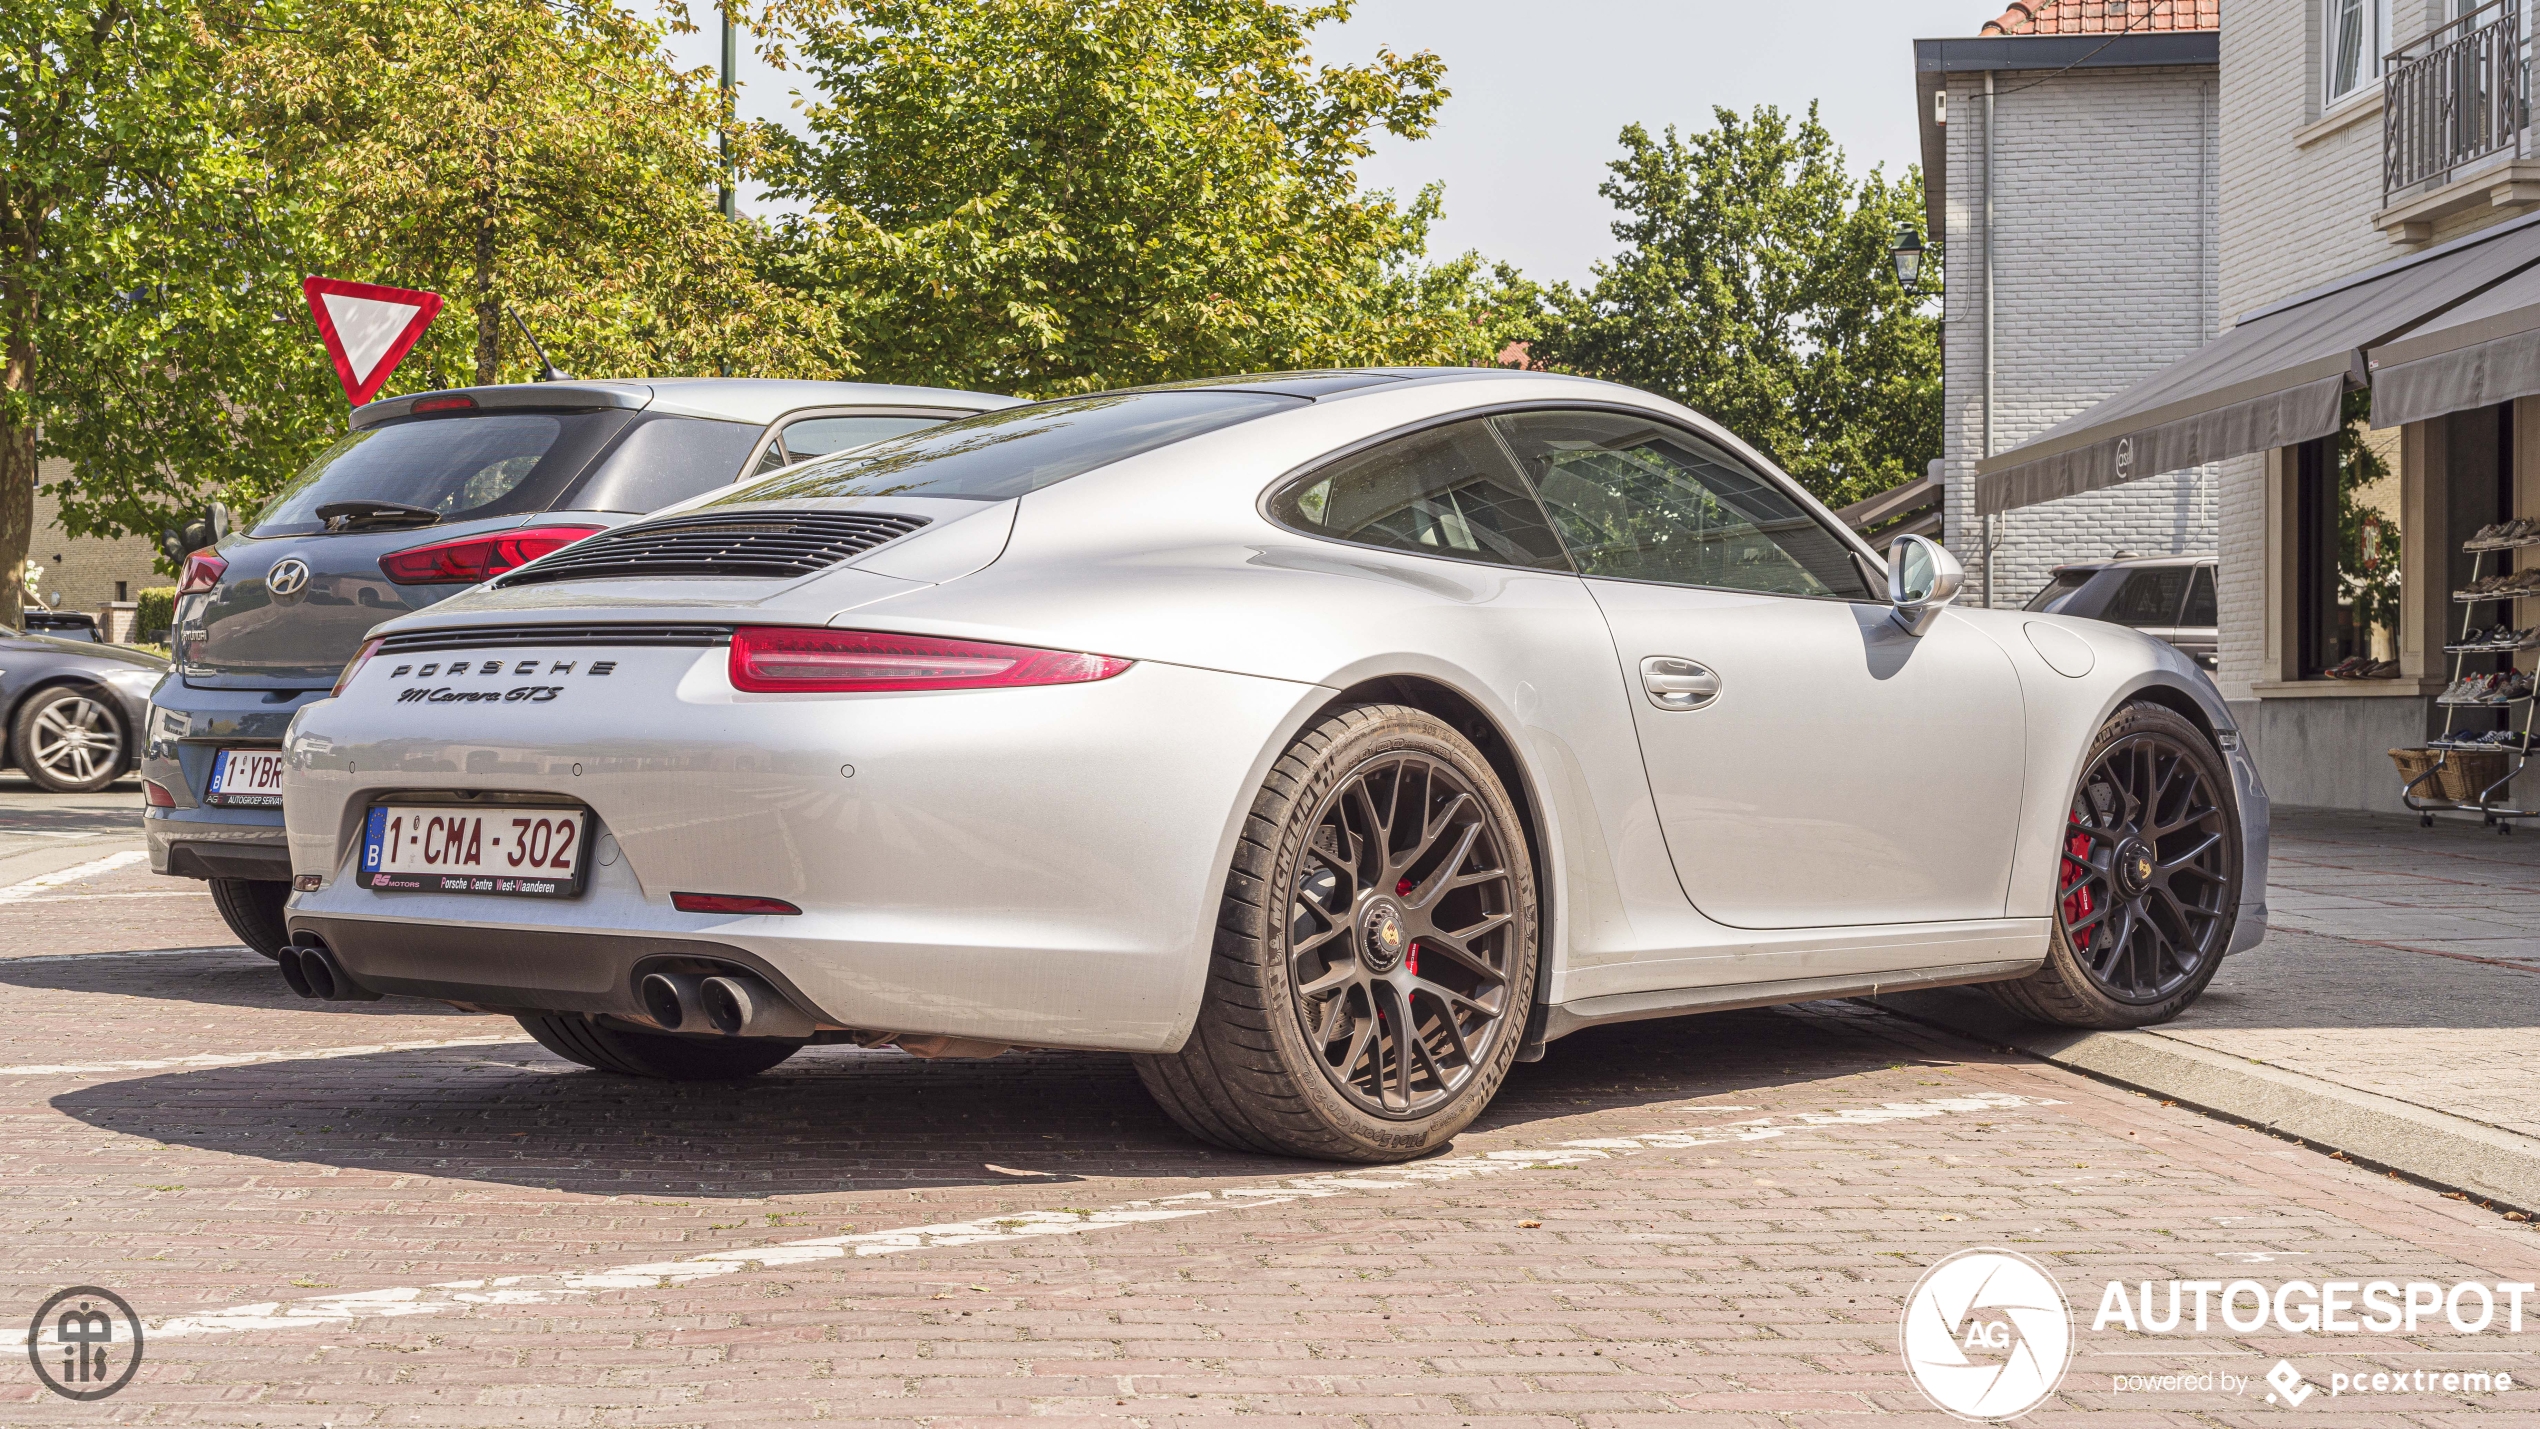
(2147, 879)
(1374, 958)
(1401, 936)
(2143, 888)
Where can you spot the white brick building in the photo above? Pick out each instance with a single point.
(2104, 187)
(2389, 208)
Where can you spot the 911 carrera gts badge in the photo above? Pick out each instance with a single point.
(515, 694)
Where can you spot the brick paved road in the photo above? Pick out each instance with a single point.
(1714, 1220)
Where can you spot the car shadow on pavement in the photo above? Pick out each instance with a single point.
(843, 1119)
(222, 977)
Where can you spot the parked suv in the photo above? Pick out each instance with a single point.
(2171, 597)
(425, 496)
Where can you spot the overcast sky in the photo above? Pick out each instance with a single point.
(1541, 88)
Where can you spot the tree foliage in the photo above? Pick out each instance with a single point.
(1049, 196)
(1755, 286)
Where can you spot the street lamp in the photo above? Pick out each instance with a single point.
(1908, 254)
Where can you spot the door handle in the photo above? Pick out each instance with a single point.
(1678, 684)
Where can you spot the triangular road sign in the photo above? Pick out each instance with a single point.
(368, 328)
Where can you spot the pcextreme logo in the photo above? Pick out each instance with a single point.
(1987, 1334)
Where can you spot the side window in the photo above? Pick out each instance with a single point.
(665, 459)
(819, 436)
(2200, 599)
(1639, 500)
(1448, 491)
(2151, 597)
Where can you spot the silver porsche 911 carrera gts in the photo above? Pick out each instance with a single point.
(1330, 741)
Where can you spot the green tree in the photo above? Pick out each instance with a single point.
(1050, 196)
(141, 334)
(544, 157)
(1754, 285)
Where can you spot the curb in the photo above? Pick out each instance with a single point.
(2430, 1146)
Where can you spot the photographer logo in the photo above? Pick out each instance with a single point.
(1987, 1334)
(85, 1343)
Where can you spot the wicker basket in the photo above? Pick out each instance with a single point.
(2468, 772)
(2413, 763)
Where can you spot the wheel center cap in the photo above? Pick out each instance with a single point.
(2134, 865)
(1382, 935)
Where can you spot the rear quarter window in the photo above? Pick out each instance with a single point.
(663, 459)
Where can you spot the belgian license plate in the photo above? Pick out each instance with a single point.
(519, 850)
(246, 777)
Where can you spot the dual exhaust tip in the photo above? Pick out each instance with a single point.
(313, 971)
(734, 1004)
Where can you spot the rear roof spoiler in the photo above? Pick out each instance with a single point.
(548, 396)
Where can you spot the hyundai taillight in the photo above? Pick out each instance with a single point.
(465, 560)
(354, 666)
(780, 659)
(202, 571)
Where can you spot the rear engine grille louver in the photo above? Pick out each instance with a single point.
(736, 545)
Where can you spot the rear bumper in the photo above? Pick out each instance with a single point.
(199, 840)
(1038, 866)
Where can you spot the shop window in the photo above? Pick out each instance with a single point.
(2346, 556)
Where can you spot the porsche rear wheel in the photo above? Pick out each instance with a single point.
(2147, 883)
(1375, 951)
(655, 1054)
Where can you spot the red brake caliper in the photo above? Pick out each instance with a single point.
(2077, 904)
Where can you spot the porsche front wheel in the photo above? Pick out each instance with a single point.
(1375, 951)
(2147, 883)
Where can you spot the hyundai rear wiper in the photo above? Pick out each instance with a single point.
(363, 515)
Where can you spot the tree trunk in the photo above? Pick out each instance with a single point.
(489, 314)
(17, 483)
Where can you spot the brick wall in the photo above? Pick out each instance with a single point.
(2105, 262)
(85, 571)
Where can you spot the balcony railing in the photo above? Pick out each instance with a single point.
(2455, 96)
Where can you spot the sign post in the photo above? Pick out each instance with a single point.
(368, 329)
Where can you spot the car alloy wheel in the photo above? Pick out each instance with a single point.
(1374, 958)
(1400, 936)
(2144, 889)
(70, 741)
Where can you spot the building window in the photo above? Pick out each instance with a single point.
(2346, 557)
(2356, 33)
(123, 590)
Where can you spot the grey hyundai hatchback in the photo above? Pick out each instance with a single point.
(425, 496)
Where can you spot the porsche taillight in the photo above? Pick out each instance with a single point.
(777, 659)
(465, 560)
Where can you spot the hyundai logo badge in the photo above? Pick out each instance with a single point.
(287, 576)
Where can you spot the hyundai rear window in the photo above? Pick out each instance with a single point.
(1002, 454)
(666, 459)
(458, 468)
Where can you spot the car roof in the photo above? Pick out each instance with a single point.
(758, 400)
(2127, 563)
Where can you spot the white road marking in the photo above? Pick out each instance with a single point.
(248, 1059)
(117, 897)
(457, 1295)
(27, 888)
(7, 960)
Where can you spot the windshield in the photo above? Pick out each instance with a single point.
(997, 455)
(481, 464)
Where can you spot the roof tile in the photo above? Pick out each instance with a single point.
(2104, 17)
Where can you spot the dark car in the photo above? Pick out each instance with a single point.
(75, 708)
(2171, 597)
(424, 497)
(64, 625)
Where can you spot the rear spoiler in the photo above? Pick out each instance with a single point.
(546, 396)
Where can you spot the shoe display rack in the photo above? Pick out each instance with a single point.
(2470, 769)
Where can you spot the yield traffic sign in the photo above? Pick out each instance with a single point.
(368, 328)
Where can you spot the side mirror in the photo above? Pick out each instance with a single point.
(1922, 579)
